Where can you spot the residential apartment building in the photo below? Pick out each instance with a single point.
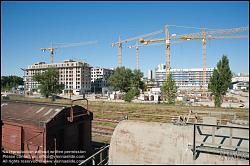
(184, 78)
(74, 75)
(99, 77)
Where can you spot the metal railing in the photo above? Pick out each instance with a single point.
(220, 148)
(99, 158)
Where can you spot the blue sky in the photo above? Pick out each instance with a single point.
(28, 26)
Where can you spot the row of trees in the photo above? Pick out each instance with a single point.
(9, 82)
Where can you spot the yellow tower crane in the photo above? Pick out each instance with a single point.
(144, 45)
(167, 42)
(120, 42)
(64, 45)
(137, 51)
(204, 36)
(212, 35)
(137, 54)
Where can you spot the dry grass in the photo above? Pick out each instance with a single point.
(138, 111)
(116, 110)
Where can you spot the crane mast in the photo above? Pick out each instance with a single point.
(120, 52)
(119, 43)
(52, 48)
(204, 36)
(167, 52)
(137, 54)
(208, 35)
(204, 42)
(137, 51)
(167, 42)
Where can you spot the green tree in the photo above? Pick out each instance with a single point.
(49, 82)
(8, 82)
(121, 79)
(131, 94)
(137, 83)
(169, 90)
(127, 81)
(220, 80)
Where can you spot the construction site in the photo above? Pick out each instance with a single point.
(192, 83)
(119, 125)
(91, 123)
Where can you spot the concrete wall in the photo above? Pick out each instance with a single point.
(135, 142)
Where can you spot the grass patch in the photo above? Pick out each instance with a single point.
(145, 111)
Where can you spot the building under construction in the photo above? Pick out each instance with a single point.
(74, 75)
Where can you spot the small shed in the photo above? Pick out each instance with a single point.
(42, 132)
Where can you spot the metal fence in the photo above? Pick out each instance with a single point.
(220, 148)
(99, 158)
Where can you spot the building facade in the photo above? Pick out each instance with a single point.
(74, 75)
(99, 78)
(239, 85)
(184, 78)
(150, 74)
(240, 78)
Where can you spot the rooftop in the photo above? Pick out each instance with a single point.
(29, 113)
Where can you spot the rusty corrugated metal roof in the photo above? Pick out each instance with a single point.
(29, 113)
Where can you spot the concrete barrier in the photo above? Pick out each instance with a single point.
(136, 142)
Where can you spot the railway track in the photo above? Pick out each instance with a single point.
(106, 131)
